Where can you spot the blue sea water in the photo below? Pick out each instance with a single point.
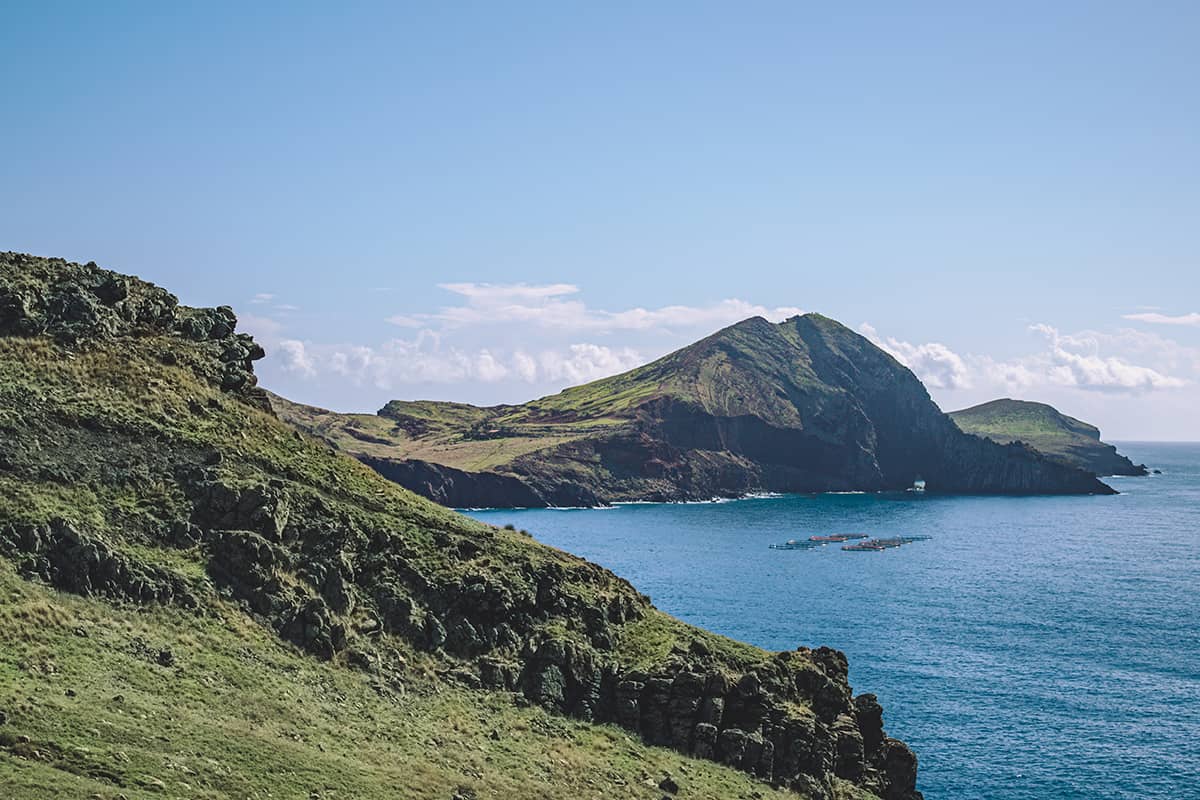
(1036, 648)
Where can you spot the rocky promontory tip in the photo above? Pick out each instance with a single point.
(1046, 429)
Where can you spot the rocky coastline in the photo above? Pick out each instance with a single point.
(149, 472)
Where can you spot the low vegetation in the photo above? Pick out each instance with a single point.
(1047, 430)
(202, 601)
(91, 710)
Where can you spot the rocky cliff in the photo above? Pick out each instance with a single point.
(139, 467)
(1053, 434)
(805, 405)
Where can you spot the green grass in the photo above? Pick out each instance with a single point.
(1041, 426)
(753, 368)
(125, 434)
(241, 715)
(649, 641)
(1064, 439)
(1014, 419)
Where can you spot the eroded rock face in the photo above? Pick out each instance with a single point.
(76, 561)
(456, 488)
(753, 721)
(78, 304)
(746, 721)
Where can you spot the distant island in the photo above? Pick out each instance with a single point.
(805, 405)
(1049, 431)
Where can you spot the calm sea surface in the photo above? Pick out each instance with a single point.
(1038, 648)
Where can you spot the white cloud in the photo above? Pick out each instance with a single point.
(548, 306)
(933, 362)
(488, 368)
(1166, 319)
(1089, 370)
(296, 358)
(525, 366)
(492, 293)
(261, 298)
(403, 321)
(586, 362)
(426, 360)
(264, 329)
(1012, 376)
(1089, 360)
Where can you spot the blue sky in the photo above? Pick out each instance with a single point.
(487, 202)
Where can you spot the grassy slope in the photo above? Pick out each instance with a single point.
(443, 442)
(747, 368)
(128, 421)
(240, 714)
(95, 436)
(1041, 426)
(1018, 419)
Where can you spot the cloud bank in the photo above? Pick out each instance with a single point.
(933, 362)
(426, 360)
(1076, 361)
(552, 306)
(1155, 318)
(520, 333)
(514, 341)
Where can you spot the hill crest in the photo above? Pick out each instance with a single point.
(1043, 427)
(805, 405)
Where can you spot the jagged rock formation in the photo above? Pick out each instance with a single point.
(137, 466)
(1044, 428)
(806, 405)
(81, 304)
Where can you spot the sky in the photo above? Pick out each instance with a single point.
(488, 202)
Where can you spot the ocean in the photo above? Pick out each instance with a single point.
(1034, 648)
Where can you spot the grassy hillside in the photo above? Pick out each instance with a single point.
(742, 370)
(91, 712)
(249, 613)
(466, 437)
(1048, 431)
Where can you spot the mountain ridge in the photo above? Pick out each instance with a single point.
(805, 405)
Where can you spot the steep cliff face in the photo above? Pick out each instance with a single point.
(138, 468)
(457, 488)
(914, 439)
(1050, 432)
(802, 406)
